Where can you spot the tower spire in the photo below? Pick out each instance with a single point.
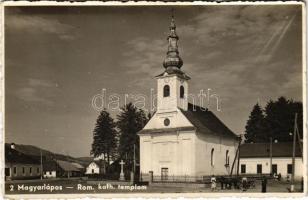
(173, 61)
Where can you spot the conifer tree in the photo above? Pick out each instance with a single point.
(277, 121)
(255, 126)
(130, 121)
(104, 137)
(279, 117)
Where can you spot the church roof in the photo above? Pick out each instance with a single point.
(173, 59)
(177, 72)
(206, 121)
(173, 62)
(166, 130)
(261, 150)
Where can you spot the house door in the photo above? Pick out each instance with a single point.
(274, 169)
(259, 169)
(164, 173)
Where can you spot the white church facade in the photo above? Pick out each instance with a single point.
(182, 139)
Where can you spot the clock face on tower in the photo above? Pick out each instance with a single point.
(166, 122)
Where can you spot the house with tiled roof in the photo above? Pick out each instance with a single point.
(183, 139)
(256, 158)
(19, 165)
(61, 168)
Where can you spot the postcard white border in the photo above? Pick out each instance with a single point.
(149, 195)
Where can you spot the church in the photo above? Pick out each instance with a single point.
(182, 139)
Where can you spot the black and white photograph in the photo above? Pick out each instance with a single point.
(162, 98)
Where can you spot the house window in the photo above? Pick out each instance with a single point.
(274, 169)
(181, 91)
(30, 170)
(212, 157)
(164, 173)
(227, 157)
(259, 169)
(38, 170)
(243, 169)
(289, 168)
(92, 171)
(23, 170)
(166, 91)
(7, 171)
(15, 170)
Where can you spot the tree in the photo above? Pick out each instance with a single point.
(276, 121)
(255, 126)
(280, 118)
(104, 137)
(130, 121)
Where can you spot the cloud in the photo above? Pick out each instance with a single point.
(35, 91)
(37, 24)
(40, 83)
(31, 95)
(241, 24)
(144, 59)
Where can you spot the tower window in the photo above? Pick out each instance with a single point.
(166, 91)
(212, 157)
(181, 91)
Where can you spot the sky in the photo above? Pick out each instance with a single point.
(57, 59)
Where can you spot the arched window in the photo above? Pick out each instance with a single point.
(212, 157)
(181, 91)
(166, 91)
(227, 157)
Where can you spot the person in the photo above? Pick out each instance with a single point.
(244, 184)
(302, 184)
(288, 178)
(264, 183)
(222, 180)
(279, 177)
(213, 183)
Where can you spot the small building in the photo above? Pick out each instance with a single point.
(96, 167)
(79, 166)
(61, 168)
(50, 169)
(67, 169)
(19, 165)
(255, 159)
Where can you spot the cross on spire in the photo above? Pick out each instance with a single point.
(173, 60)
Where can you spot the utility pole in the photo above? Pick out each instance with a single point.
(238, 159)
(299, 141)
(271, 156)
(41, 164)
(293, 157)
(134, 158)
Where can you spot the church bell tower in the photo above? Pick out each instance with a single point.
(172, 84)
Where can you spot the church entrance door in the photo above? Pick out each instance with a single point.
(164, 174)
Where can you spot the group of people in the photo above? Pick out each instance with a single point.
(244, 182)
